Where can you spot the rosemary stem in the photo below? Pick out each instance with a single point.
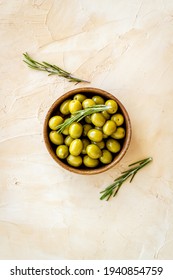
(112, 189)
(79, 115)
(51, 69)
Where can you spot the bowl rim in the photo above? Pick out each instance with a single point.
(87, 171)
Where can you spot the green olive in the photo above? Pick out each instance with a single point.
(64, 108)
(76, 147)
(90, 162)
(62, 151)
(75, 130)
(95, 135)
(56, 138)
(113, 145)
(88, 119)
(100, 144)
(119, 133)
(74, 106)
(88, 103)
(109, 127)
(68, 140)
(98, 119)
(66, 131)
(80, 97)
(106, 157)
(86, 128)
(113, 106)
(118, 119)
(85, 143)
(93, 151)
(98, 99)
(55, 121)
(74, 161)
(106, 115)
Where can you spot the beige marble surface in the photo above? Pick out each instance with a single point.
(126, 48)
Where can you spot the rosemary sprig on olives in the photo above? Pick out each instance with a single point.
(51, 69)
(112, 189)
(79, 115)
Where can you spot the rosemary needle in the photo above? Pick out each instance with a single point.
(51, 69)
(112, 189)
(80, 114)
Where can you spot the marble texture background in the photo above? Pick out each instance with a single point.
(126, 48)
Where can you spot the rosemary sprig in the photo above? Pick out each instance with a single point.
(112, 189)
(80, 114)
(51, 69)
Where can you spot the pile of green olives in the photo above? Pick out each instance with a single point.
(92, 142)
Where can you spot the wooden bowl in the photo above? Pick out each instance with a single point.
(89, 92)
